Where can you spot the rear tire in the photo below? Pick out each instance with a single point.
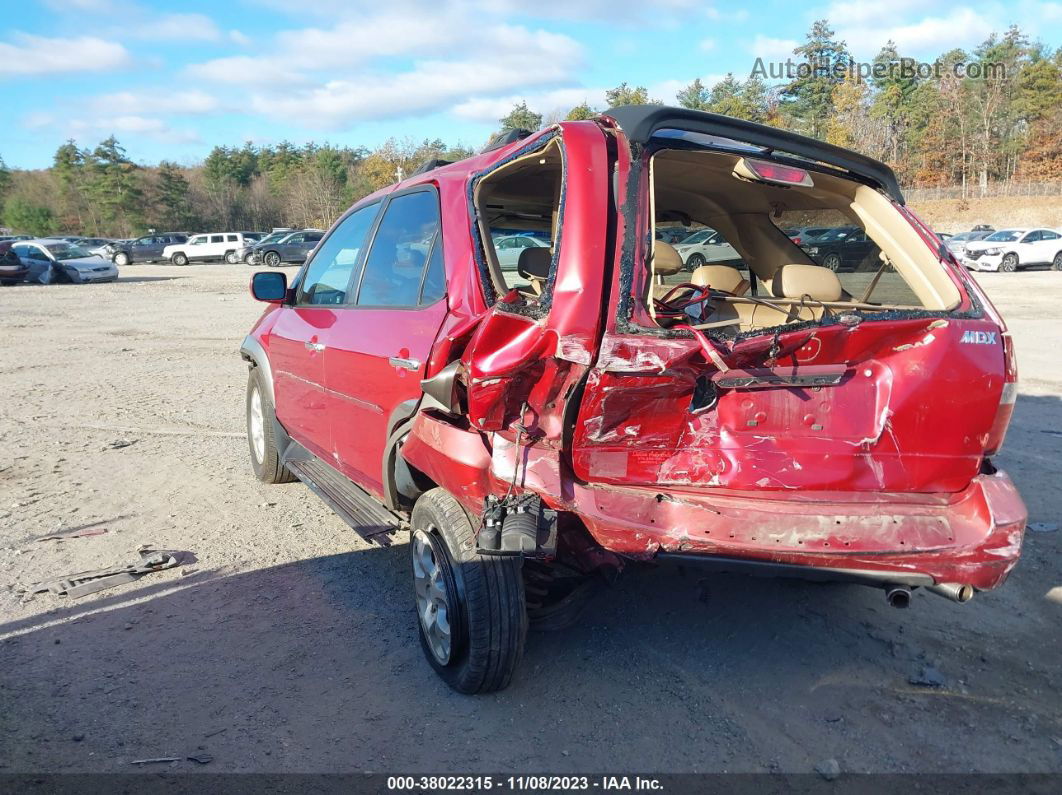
(1009, 263)
(248, 259)
(180, 258)
(231, 258)
(1056, 263)
(265, 460)
(471, 612)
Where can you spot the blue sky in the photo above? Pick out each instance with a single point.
(172, 79)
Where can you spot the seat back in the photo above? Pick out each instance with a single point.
(811, 281)
(721, 277)
(533, 265)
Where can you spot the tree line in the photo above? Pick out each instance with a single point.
(967, 118)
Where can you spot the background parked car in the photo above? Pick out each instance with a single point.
(803, 235)
(705, 246)
(956, 244)
(11, 268)
(293, 247)
(673, 234)
(10, 238)
(208, 246)
(143, 249)
(1010, 249)
(510, 248)
(245, 253)
(845, 248)
(97, 245)
(51, 260)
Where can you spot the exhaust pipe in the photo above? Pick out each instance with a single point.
(898, 596)
(953, 591)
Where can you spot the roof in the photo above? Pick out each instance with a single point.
(641, 122)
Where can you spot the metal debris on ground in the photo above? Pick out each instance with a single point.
(74, 532)
(156, 760)
(203, 759)
(86, 582)
(1043, 527)
(929, 676)
(118, 444)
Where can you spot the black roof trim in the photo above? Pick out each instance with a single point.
(640, 122)
(504, 139)
(430, 165)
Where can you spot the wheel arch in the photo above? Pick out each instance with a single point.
(252, 352)
(402, 482)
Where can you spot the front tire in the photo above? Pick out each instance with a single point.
(271, 259)
(265, 459)
(1009, 263)
(121, 259)
(180, 258)
(695, 261)
(471, 611)
(248, 259)
(231, 258)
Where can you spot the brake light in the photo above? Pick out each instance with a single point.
(775, 172)
(1006, 400)
(796, 240)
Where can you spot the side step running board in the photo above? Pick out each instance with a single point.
(354, 505)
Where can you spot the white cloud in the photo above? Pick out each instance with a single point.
(240, 38)
(132, 124)
(772, 49)
(29, 55)
(706, 45)
(551, 104)
(158, 101)
(177, 27)
(867, 32)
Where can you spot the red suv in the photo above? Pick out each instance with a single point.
(542, 425)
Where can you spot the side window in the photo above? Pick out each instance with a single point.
(217, 238)
(144, 241)
(195, 241)
(312, 237)
(1032, 237)
(435, 277)
(330, 273)
(294, 239)
(232, 238)
(1047, 234)
(393, 269)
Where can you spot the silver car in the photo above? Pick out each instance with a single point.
(51, 260)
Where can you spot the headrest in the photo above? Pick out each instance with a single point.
(814, 281)
(666, 261)
(720, 277)
(534, 263)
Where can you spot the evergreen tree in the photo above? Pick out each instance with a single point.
(824, 64)
(695, 96)
(521, 118)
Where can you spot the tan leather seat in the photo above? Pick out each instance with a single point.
(721, 277)
(811, 281)
(533, 265)
(666, 262)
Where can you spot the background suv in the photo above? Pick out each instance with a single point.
(292, 247)
(210, 246)
(143, 249)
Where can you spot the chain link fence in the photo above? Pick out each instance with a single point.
(992, 190)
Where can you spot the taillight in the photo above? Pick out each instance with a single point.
(796, 240)
(1006, 400)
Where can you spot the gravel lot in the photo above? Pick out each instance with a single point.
(289, 644)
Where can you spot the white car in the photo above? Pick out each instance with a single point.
(1010, 249)
(210, 246)
(510, 247)
(703, 247)
(51, 260)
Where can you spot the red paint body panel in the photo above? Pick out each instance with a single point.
(881, 471)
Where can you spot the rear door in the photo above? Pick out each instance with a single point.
(381, 343)
(289, 248)
(302, 333)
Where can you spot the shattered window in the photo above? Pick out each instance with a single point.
(518, 207)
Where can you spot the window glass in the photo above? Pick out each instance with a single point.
(1047, 234)
(435, 279)
(217, 238)
(395, 264)
(195, 241)
(329, 274)
(231, 238)
(312, 237)
(294, 239)
(144, 241)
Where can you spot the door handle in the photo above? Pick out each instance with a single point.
(407, 364)
(314, 346)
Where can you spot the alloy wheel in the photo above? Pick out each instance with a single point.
(833, 262)
(256, 425)
(272, 259)
(434, 602)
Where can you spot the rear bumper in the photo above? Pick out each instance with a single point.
(971, 538)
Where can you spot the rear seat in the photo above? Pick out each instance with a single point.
(666, 262)
(796, 281)
(721, 277)
(533, 265)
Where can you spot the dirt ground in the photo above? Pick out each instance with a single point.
(289, 644)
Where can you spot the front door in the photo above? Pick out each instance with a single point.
(381, 344)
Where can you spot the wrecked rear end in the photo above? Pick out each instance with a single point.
(824, 409)
(831, 407)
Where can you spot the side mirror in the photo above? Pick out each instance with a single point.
(271, 287)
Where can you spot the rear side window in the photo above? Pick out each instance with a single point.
(232, 238)
(312, 237)
(217, 238)
(435, 277)
(331, 271)
(400, 249)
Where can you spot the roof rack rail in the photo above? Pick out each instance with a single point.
(431, 164)
(504, 139)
